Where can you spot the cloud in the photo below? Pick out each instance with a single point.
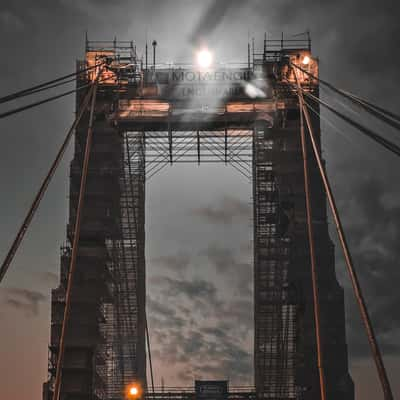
(159, 308)
(212, 17)
(49, 278)
(194, 289)
(23, 299)
(228, 265)
(352, 54)
(224, 211)
(374, 231)
(212, 337)
(11, 22)
(204, 353)
(161, 315)
(176, 262)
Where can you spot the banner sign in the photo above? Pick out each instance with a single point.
(185, 84)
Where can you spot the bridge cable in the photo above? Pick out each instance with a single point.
(39, 90)
(45, 85)
(383, 111)
(384, 115)
(374, 111)
(36, 202)
(315, 288)
(394, 148)
(149, 351)
(74, 253)
(329, 123)
(348, 259)
(40, 102)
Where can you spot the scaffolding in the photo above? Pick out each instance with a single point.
(141, 126)
(275, 307)
(125, 316)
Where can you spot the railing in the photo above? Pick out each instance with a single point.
(189, 393)
(191, 389)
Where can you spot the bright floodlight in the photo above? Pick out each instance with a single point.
(133, 391)
(306, 60)
(204, 58)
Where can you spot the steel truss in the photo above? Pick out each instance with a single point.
(229, 146)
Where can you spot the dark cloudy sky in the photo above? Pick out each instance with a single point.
(198, 218)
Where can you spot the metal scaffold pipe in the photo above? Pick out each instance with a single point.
(74, 253)
(314, 279)
(149, 352)
(348, 259)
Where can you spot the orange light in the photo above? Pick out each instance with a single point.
(133, 392)
(95, 57)
(306, 60)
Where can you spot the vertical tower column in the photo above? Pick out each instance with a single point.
(274, 298)
(285, 343)
(105, 339)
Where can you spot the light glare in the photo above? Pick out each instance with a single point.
(133, 391)
(204, 58)
(253, 91)
(306, 60)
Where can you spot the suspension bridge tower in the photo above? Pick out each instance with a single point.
(142, 118)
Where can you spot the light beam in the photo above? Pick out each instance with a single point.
(204, 58)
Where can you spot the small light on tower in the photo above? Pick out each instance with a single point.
(133, 392)
(306, 60)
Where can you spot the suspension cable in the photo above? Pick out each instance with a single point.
(348, 259)
(379, 112)
(42, 89)
(394, 148)
(149, 351)
(36, 202)
(40, 102)
(328, 122)
(384, 115)
(74, 253)
(372, 105)
(44, 85)
(315, 287)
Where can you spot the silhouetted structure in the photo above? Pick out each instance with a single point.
(148, 118)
